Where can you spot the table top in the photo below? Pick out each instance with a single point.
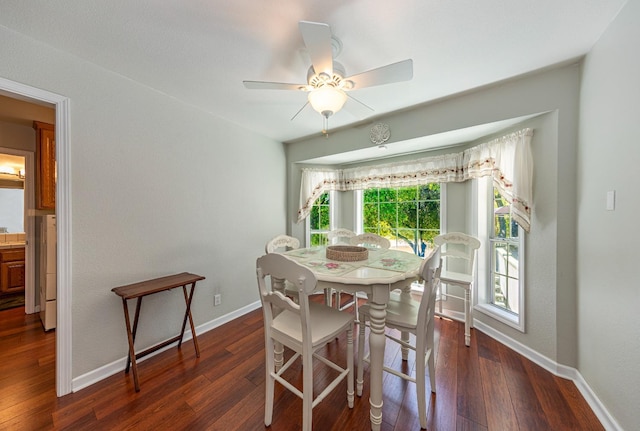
(148, 287)
(381, 267)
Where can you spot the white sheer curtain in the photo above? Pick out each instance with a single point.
(507, 159)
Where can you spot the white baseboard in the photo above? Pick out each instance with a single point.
(119, 365)
(608, 422)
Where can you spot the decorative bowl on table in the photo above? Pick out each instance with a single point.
(347, 253)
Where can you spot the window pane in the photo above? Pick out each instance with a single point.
(407, 194)
(408, 216)
(314, 218)
(370, 195)
(387, 195)
(429, 192)
(319, 239)
(388, 217)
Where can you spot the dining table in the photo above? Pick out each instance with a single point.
(382, 271)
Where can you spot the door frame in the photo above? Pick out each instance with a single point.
(63, 223)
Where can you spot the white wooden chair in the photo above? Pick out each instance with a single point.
(458, 255)
(408, 315)
(340, 236)
(304, 328)
(282, 243)
(370, 240)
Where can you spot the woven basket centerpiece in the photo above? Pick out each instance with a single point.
(347, 253)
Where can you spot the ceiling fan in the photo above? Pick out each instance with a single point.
(327, 86)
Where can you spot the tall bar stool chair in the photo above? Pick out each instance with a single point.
(304, 328)
(408, 315)
(370, 240)
(279, 244)
(458, 255)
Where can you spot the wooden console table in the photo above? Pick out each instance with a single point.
(149, 287)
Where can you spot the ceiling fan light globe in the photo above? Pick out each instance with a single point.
(327, 100)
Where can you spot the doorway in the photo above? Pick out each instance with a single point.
(17, 197)
(61, 104)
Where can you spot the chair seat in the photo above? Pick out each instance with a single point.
(327, 322)
(456, 277)
(402, 311)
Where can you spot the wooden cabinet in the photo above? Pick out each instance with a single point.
(11, 270)
(45, 166)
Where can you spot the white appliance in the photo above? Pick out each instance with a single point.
(48, 272)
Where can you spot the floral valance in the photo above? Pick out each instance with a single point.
(507, 159)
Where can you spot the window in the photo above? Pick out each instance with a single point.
(408, 216)
(320, 220)
(501, 287)
(505, 245)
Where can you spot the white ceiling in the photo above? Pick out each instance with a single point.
(200, 51)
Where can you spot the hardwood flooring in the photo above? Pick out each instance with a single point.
(482, 387)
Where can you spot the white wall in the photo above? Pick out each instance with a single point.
(608, 157)
(157, 187)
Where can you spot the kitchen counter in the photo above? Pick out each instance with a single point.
(5, 245)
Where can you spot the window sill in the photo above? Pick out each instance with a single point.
(503, 316)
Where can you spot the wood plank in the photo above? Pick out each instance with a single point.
(500, 412)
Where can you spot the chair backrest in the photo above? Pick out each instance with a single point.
(458, 246)
(281, 243)
(340, 235)
(278, 266)
(430, 273)
(370, 239)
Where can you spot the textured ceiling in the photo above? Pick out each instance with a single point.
(200, 51)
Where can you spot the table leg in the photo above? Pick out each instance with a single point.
(187, 299)
(131, 335)
(378, 315)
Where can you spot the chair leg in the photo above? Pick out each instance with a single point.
(420, 382)
(307, 390)
(278, 353)
(360, 379)
(355, 306)
(405, 336)
(350, 367)
(269, 383)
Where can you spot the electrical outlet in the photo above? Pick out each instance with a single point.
(217, 299)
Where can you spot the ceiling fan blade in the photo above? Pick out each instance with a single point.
(264, 85)
(395, 72)
(317, 39)
(360, 102)
(300, 110)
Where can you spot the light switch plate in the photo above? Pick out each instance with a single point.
(611, 200)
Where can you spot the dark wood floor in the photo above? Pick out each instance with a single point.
(482, 387)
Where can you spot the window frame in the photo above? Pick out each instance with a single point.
(332, 219)
(483, 192)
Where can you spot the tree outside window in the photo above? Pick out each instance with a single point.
(319, 220)
(408, 216)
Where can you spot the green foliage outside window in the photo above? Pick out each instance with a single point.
(319, 220)
(407, 216)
